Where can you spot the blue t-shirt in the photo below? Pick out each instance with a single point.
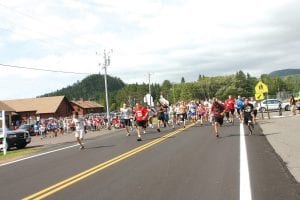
(239, 103)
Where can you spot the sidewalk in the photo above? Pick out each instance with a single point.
(284, 135)
(48, 141)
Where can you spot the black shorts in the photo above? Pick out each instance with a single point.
(248, 119)
(161, 116)
(232, 111)
(126, 122)
(182, 116)
(227, 115)
(219, 120)
(141, 123)
(255, 113)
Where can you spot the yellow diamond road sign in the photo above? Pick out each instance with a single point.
(261, 88)
(259, 96)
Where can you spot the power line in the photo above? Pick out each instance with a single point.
(47, 70)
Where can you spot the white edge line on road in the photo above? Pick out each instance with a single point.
(38, 155)
(245, 187)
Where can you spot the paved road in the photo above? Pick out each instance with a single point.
(187, 164)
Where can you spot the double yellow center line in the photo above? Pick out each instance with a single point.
(74, 179)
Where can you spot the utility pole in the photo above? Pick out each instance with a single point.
(106, 56)
(173, 94)
(149, 79)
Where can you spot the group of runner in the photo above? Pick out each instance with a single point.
(211, 111)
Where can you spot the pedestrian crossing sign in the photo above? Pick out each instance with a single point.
(261, 88)
(259, 96)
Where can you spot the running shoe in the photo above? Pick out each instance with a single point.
(139, 138)
(158, 130)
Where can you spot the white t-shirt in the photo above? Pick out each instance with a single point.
(254, 104)
(125, 113)
(79, 124)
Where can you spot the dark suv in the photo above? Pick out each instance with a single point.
(16, 138)
(27, 127)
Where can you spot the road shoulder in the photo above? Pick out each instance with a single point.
(284, 136)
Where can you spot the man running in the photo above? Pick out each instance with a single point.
(247, 110)
(254, 103)
(79, 125)
(151, 112)
(193, 111)
(125, 117)
(141, 117)
(201, 112)
(239, 104)
(230, 102)
(172, 114)
(217, 110)
(183, 113)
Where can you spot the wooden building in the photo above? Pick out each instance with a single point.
(34, 109)
(86, 107)
(8, 113)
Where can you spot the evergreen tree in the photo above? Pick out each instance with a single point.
(182, 80)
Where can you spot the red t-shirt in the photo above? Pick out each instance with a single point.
(141, 113)
(230, 104)
(217, 110)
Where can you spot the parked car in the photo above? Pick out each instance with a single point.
(15, 138)
(273, 104)
(27, 127)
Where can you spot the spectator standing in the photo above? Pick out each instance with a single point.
(293, 105)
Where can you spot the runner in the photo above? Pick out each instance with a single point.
(207, 106)
(151, 112)
(254, 103)
(230, 102)
(160, 115)
(193, 111)
(217, 110)
(79, 129)
(177, 113)
(166, 115)
(125, 117)
(182, 113)
(201, 112)
(172, 114)
(247, 110)
(239, 104)
(141, 116)
(226, 112)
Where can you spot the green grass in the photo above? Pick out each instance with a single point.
(17, 153)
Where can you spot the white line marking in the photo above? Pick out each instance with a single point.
(245, 187)
(38, 155)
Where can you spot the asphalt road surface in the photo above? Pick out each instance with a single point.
(190, 164)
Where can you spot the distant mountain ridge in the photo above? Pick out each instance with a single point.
(91, 87)
(285, 72)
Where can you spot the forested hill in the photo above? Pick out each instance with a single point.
(91, 87)
(285, 72)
